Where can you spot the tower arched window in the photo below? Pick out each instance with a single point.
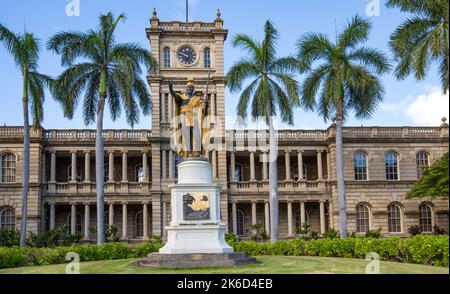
(207, 57)
(139, 225)
(166, 57)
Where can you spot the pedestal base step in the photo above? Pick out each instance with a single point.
(197, 260)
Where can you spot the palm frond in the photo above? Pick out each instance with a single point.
(355, 32)
(239, 72)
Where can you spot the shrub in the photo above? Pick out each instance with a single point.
(45, 239)
(230, 238)
(331, 234)
(142, 250)
(438, 230)
(374, 234)
(414, 230)
(9, 238)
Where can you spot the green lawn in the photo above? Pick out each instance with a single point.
(268, 265)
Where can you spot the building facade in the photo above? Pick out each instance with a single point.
(381, 163)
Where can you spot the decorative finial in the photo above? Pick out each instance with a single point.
(219, 14)
(444, 122)
(155, 14)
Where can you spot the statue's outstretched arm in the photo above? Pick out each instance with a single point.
(172, 92)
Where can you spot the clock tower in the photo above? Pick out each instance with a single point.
(185, 50)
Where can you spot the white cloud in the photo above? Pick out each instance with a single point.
(428, 109)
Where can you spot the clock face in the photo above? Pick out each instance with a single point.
(187, 55)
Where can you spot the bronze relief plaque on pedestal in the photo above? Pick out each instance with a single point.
(196, 206)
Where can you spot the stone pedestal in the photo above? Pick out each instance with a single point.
(196, 235)
(196, 225)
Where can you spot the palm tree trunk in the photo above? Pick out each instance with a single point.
(100, 173)
(25, 163)
(340, 172)
(273, 182)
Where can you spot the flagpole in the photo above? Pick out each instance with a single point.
(187, 10)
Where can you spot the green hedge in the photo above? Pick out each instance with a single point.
(429, 250)
(16, 257)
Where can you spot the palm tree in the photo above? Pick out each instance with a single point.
(345, 81)
(107, 73)
(421, 39)
(272, 89)
(25, 48)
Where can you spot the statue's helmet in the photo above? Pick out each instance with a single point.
(190, 88)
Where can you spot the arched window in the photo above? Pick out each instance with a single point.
(362, 218)
(77, 222)
(69, 173)
(394, 218)
(360, 165)
(7, 218)
(240, 223)
(207, 57)
(139, 225)
(166, 56)
(426, 218)
(422, 162)
(298, 220)
(7, 168)
(391, 164)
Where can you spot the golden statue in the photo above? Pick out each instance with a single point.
(191, 110)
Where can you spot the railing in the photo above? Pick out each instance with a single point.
(186, 26)
(90, 187)
(284, 186)
(90, 135)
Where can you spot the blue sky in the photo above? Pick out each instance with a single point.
(406, 102)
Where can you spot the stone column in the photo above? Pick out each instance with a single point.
(267, 216)
(322, 217)
(145, 166)
(87, 166)
(214, 163)
(52, 216)
(302, 213)
(233, 166)
(254, 221)
(145, 220)
(252, 166)
(330, 212)
(124, 167)
(287, 159)
(163, 107)
(73, 218)
(86, 221)
(124, 221)
(164, 164)
(170, 102)
(53, 166)
(111, 214)
(171, 165)
(74, 167)
(111, 167)
(265, 166)
(319, 166)
(289, 215)
(213, 104)
(300, 165)
(328, 166)
(164, 219)
(234, 216)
